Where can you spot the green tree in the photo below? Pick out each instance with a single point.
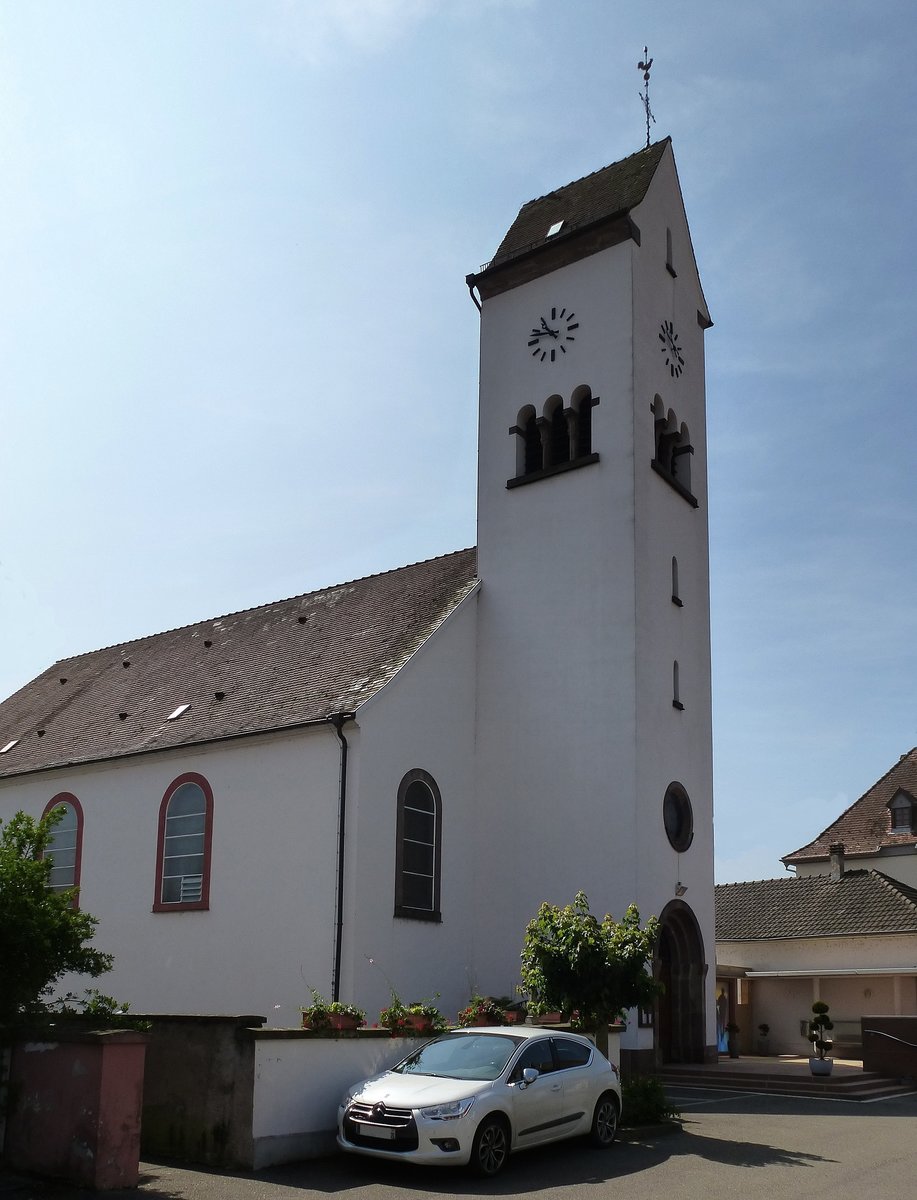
(573, 962)
(42, 936)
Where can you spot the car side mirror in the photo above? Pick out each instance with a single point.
(529, 1075)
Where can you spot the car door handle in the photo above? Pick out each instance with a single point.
(555, 1087)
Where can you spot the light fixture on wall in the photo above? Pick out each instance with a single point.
(680, 889)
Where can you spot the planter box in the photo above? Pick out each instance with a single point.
(77, 1100)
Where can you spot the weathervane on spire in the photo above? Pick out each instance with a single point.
(644, 66)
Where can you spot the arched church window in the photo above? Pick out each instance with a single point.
(183, 845)
(672, 449)
(558, 440)
(582, 403)
(65, 848)
(558, 433)
(418, 842)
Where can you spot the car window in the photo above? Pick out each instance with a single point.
(461, 1056)
(570, 1053)
(537, 1055)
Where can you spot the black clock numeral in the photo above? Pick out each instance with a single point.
(575, 325)
(534, 342)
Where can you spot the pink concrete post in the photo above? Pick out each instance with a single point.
(77, 1099)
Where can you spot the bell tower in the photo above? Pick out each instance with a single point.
(594, 759)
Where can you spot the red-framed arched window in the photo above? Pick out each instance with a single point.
(183, 845)
(65, 849)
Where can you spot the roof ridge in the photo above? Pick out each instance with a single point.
(598, 171)
(897, 885)
(146, 637)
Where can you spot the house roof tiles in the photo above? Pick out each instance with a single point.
(285, 664)
(859, 902)
(864, 828)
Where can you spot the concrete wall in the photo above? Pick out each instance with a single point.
(890, 1046)
(224, 1093)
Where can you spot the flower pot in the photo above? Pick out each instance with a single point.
(821, 1066)
(343, 1022)
(548, 1018)
(513, 1016)
(418, 1022)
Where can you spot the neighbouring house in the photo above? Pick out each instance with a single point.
(842, 929)
(878, 831)
(376, 784)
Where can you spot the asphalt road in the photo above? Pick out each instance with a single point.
(731, 1145)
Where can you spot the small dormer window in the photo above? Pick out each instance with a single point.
(555, 228)
(901, 813)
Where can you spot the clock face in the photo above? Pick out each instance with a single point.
(551, 335)
(674, 358)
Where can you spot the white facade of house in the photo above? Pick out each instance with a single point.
(874, 975)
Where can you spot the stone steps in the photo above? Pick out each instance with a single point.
(861, 1085)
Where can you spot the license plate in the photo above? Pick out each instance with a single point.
(384, 1132)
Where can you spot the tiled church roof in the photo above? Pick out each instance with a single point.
(284, 664)
(859, 902)
(864, 826)
(611, 192)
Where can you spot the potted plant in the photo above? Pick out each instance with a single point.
(425, 1017)
(481, 1010)
(820, 1024)
(345, 1016)
(315, 1015)
(322, 1015)
(733, 1031)
(763, 1045)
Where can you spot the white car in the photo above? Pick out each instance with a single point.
(472, 1096)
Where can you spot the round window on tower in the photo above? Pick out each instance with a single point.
(678, 817)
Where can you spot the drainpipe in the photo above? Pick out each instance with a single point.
(337, 720)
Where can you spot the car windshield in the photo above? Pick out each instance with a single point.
(462, 1056)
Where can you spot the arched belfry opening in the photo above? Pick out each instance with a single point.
(681, 969)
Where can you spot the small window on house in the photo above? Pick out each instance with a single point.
(418, 847)
(676, 598)
(678, 817)
(183, 848)
(65, 849)
(901, 813)
(676, 686)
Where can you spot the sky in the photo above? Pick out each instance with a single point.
(238, 359)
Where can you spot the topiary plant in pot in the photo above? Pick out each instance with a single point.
(820, 1025)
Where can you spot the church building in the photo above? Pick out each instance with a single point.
(374, 786)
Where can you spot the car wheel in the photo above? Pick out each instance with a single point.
(490, 1148)
(604, 1120)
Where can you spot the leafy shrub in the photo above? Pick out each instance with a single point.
(645, 1102)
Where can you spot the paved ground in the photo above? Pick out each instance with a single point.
(731, 1145)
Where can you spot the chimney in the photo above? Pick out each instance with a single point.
(836, 850)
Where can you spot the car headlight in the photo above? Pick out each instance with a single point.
(448, 1112)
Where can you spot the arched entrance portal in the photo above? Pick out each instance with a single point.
(681, 969)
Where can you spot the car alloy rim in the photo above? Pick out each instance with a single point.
(606, 1121)
(492, 1150)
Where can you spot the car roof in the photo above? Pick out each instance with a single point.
(523, 1031)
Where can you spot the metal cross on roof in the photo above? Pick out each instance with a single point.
(644, 66)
